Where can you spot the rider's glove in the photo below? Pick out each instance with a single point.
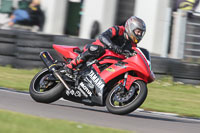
(127, 53)
(117, 49)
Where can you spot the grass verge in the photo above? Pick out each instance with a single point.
(16, 78)
(164, 95)
(168, 96)
(11, 122)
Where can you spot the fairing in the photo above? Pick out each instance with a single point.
(138, 64)
(112, 54)
(66, 51)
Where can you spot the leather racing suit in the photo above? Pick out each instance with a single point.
(112, 39)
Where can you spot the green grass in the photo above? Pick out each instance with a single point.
(11, 122)
(16, 78)
(167, 96)
(164, 95)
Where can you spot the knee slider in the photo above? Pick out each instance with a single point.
(93, 48)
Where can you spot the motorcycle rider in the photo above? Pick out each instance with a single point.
(116, 39)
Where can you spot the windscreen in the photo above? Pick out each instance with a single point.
(147, 55)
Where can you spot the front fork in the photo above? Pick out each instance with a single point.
(123, 83)
(125, 79)
(128, 80)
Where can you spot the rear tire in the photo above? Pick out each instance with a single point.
(52, 94)
(137, 99)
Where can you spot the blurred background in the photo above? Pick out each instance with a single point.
(173, 30)
(167, 20)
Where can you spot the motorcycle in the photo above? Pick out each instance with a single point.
(117, 81)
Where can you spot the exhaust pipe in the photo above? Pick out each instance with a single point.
(48, 60)
(49, 63)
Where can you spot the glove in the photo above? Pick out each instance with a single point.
(116, 49)
(127, 53)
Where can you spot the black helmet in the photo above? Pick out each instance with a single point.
(132, 24)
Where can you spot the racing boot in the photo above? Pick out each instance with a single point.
(83, 57)
(69, 72)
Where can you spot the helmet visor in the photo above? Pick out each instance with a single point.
(139, 33)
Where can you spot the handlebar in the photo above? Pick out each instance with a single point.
(128, 53)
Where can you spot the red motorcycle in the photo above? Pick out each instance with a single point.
(117, 81)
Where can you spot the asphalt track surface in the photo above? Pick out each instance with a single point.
(139, 121)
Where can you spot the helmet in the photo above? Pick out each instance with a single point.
(132, 26)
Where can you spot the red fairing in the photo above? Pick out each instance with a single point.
(108, 61)
(110, 53)
(137, 63)
(152, 77)
(118, 70)
(96, 68)
(66, 51)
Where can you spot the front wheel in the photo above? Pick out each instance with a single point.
(43, 90)
(121, 101)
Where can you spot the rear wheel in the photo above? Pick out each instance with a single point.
(43, 90)
(122, 101)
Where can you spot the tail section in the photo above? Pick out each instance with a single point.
(66, 51)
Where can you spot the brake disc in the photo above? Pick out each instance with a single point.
(124, 96)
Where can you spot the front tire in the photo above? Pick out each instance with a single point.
(51, 93)
(128, 103)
